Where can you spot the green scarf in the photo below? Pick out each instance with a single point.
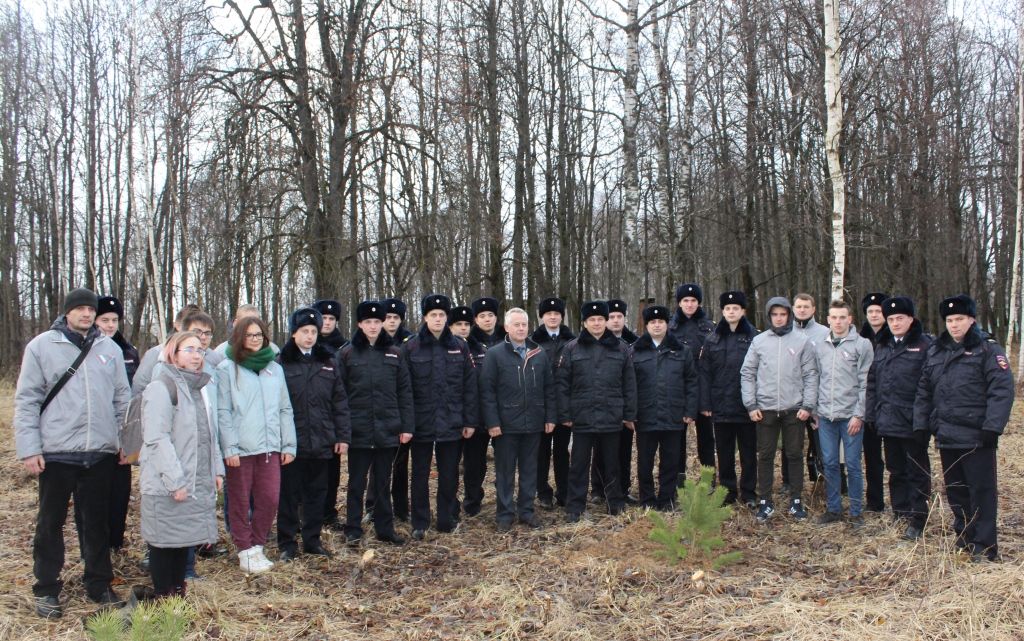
(257, 360)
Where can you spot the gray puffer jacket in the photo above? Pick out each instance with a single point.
(778, 373)
(150, 364)
(842, 375)
(180, 450)
(86, 415)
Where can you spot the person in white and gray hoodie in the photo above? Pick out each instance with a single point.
(71, 442)
(778, 383)
(804, 309)
(843, 360)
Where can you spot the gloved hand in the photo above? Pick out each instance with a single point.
(989, 439)
(923, 437)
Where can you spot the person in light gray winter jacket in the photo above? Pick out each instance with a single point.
(778, 383)
(180, 464)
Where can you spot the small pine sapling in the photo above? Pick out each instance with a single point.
(699, 527)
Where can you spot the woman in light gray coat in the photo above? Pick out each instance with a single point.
(181, 467)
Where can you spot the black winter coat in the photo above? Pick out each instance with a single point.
(477, 351)
(517, 395)
(666, 384)
(893, 380)
(964, 389)
(319, 401)
(628, 337)
(379, 391)
(401, 335)
(131, 355)
(488, 341)
(869, 333)
(335, 340)
(553, 348)
(719, 365)
(444, 386)
(596, 384)
(693, 330)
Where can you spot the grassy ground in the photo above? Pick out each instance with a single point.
(595, 580)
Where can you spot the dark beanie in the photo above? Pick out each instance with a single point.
(594, 308)
(328, 307)
(897, 305)
(370, 309)
(485, 304)
(617, 305)
(552, 304)
(80, 297)
(959, 304)
(303, 317)
(656, 312)
(876, 298)
(108, 304)
(461, 313)
(394, 306)
(435, 301)
(732, 297)
(689, 289)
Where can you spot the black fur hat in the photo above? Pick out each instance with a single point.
(303, 317)
(485, 304)
(435, 301)
(394, 306)
(594, 308)
(328, 307)
(732, 297)
(876, 298)
(897, 305)
(370, 309)
(617, 305)
(461, 313)
(689, 289)
(656, 312)
(552, 304)
(959, 304)
(107, 304)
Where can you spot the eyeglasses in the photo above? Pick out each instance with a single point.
(193, 350)
(254, 337)
(202, 334)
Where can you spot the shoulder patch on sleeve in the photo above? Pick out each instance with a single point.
(1002, 362)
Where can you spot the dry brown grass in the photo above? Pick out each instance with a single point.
(595, 580)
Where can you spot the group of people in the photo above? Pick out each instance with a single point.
(271, 426)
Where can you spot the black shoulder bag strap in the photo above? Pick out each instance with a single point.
(71, 371)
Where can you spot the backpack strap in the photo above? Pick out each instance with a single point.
(172, 387)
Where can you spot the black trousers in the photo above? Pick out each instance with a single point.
(331, 489)
(56, 484)
(664, 443)
(447, 454)
(399, 484)
(303, 482)
(554, 446)
(167, 567)
(729, 437)
(910, 479)
(874, 471)
(474, 470)
(812, 455)
(374, 463)
(583, 446)
(512, 452)
(972, 492)
(120, 495)
(625, 465)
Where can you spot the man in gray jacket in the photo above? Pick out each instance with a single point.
(71, 442)
(778, 382)
(843, 360)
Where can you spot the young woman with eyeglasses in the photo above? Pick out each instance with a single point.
(257, 437)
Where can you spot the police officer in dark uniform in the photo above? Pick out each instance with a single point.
(485, 333)
(445, 394)
(616, 325)
(597, 396)
(874, 464)
(667, 400)
(964, 399)
(901, 348)
(719, 364)
(553, 336)
(377, 380)
(690, 325)
(331, 338)
(330, 335)
(460, 321)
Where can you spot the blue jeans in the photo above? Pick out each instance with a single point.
(829, 435)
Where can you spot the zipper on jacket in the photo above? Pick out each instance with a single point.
(88, 409)
(778, 383)
(832, 398)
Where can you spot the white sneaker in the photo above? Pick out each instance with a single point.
(249, 561)
(261, 558)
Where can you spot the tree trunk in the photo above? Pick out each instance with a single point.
(834, 107)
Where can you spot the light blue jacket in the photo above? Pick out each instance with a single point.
(254, 412)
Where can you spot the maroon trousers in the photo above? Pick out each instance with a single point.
(258, 477)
